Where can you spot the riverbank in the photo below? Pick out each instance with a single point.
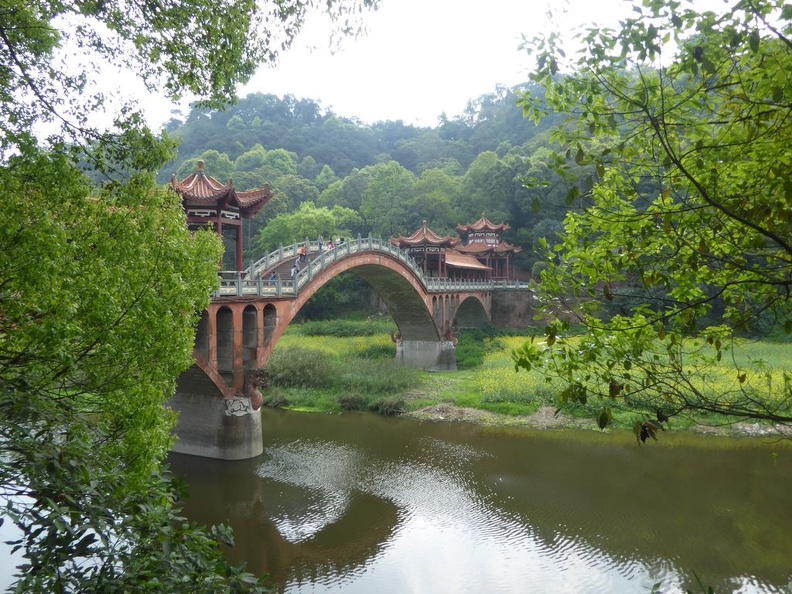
(330, 373)
(546, 418)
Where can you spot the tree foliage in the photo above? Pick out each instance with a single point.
(178, 48)
(308, 222)
(685, 118)
(101, 285)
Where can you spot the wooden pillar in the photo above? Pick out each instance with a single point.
(240, 261)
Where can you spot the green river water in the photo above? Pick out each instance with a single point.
(360, 503)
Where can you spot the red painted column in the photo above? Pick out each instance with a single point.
(239, 256)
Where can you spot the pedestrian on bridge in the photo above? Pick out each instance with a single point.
(320, 241)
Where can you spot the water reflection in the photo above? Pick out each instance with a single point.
(361, 503)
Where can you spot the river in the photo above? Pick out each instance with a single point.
(360, 503)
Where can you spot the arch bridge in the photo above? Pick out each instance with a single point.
(249, 313)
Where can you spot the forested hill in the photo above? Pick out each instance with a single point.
(302, 126)
(386, 177)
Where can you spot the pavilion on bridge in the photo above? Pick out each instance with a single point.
(209, 203)
(483, 257)
(483, 240)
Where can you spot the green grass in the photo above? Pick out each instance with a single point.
(328, 367)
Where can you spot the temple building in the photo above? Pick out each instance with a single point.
(428, 249)
(438, 257)
(483, 257)
(482, 240)
(208, 202)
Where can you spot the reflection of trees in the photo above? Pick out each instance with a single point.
(694, 505)
(703, 504)
(232, 492)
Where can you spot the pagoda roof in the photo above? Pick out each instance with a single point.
(483, 248)
(483, 224)
(200, 189)
(425, 237)
(460, 260)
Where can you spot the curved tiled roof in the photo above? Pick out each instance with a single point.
(483, 248)
(200, 189)
(459, 260)
(483, 224)
(426, 237)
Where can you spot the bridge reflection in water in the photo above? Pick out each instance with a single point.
(218, 399)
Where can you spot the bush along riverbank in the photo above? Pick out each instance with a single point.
(345, 365)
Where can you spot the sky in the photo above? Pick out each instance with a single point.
(417, 59)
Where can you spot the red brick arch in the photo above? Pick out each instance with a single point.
(419, 314)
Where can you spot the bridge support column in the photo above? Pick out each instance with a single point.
(212, 426)
(434, 355)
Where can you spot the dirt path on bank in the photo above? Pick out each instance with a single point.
(544, 418)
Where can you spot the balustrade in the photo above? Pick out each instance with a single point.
(249, 282)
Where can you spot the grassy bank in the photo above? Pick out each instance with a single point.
(348, 365)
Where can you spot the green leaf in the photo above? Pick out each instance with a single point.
(753, 40)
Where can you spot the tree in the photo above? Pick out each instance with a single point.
(251, 160)
(435, 191)
(307, 222)
(216, 164)
(102, 286)
(180, 48)
(487, 186)
(325, 178)
(98, 306)
(282, 161)
(689, 216)
(386, 200)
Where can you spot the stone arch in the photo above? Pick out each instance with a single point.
(250, 336)
(471, 313)
(225, 341)
(397, 286)
(202, 335)
(270, 322)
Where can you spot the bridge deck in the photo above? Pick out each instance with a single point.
(254, 282)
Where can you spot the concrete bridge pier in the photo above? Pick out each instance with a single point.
(213, 426)
(434, 355)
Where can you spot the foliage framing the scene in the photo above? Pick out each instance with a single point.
(101, 284)
(683, 235)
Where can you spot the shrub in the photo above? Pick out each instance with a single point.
(376, 376)
(344, 328)
(388, 405)
(378, 351)
(474, 344)
(353, 402)
(275, 400)
(296, 367)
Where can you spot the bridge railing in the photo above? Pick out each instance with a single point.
(249, 282)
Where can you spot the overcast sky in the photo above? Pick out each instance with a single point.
(418, 58)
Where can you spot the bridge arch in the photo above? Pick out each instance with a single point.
(470, 313)
(398, 287)
(248, 314)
